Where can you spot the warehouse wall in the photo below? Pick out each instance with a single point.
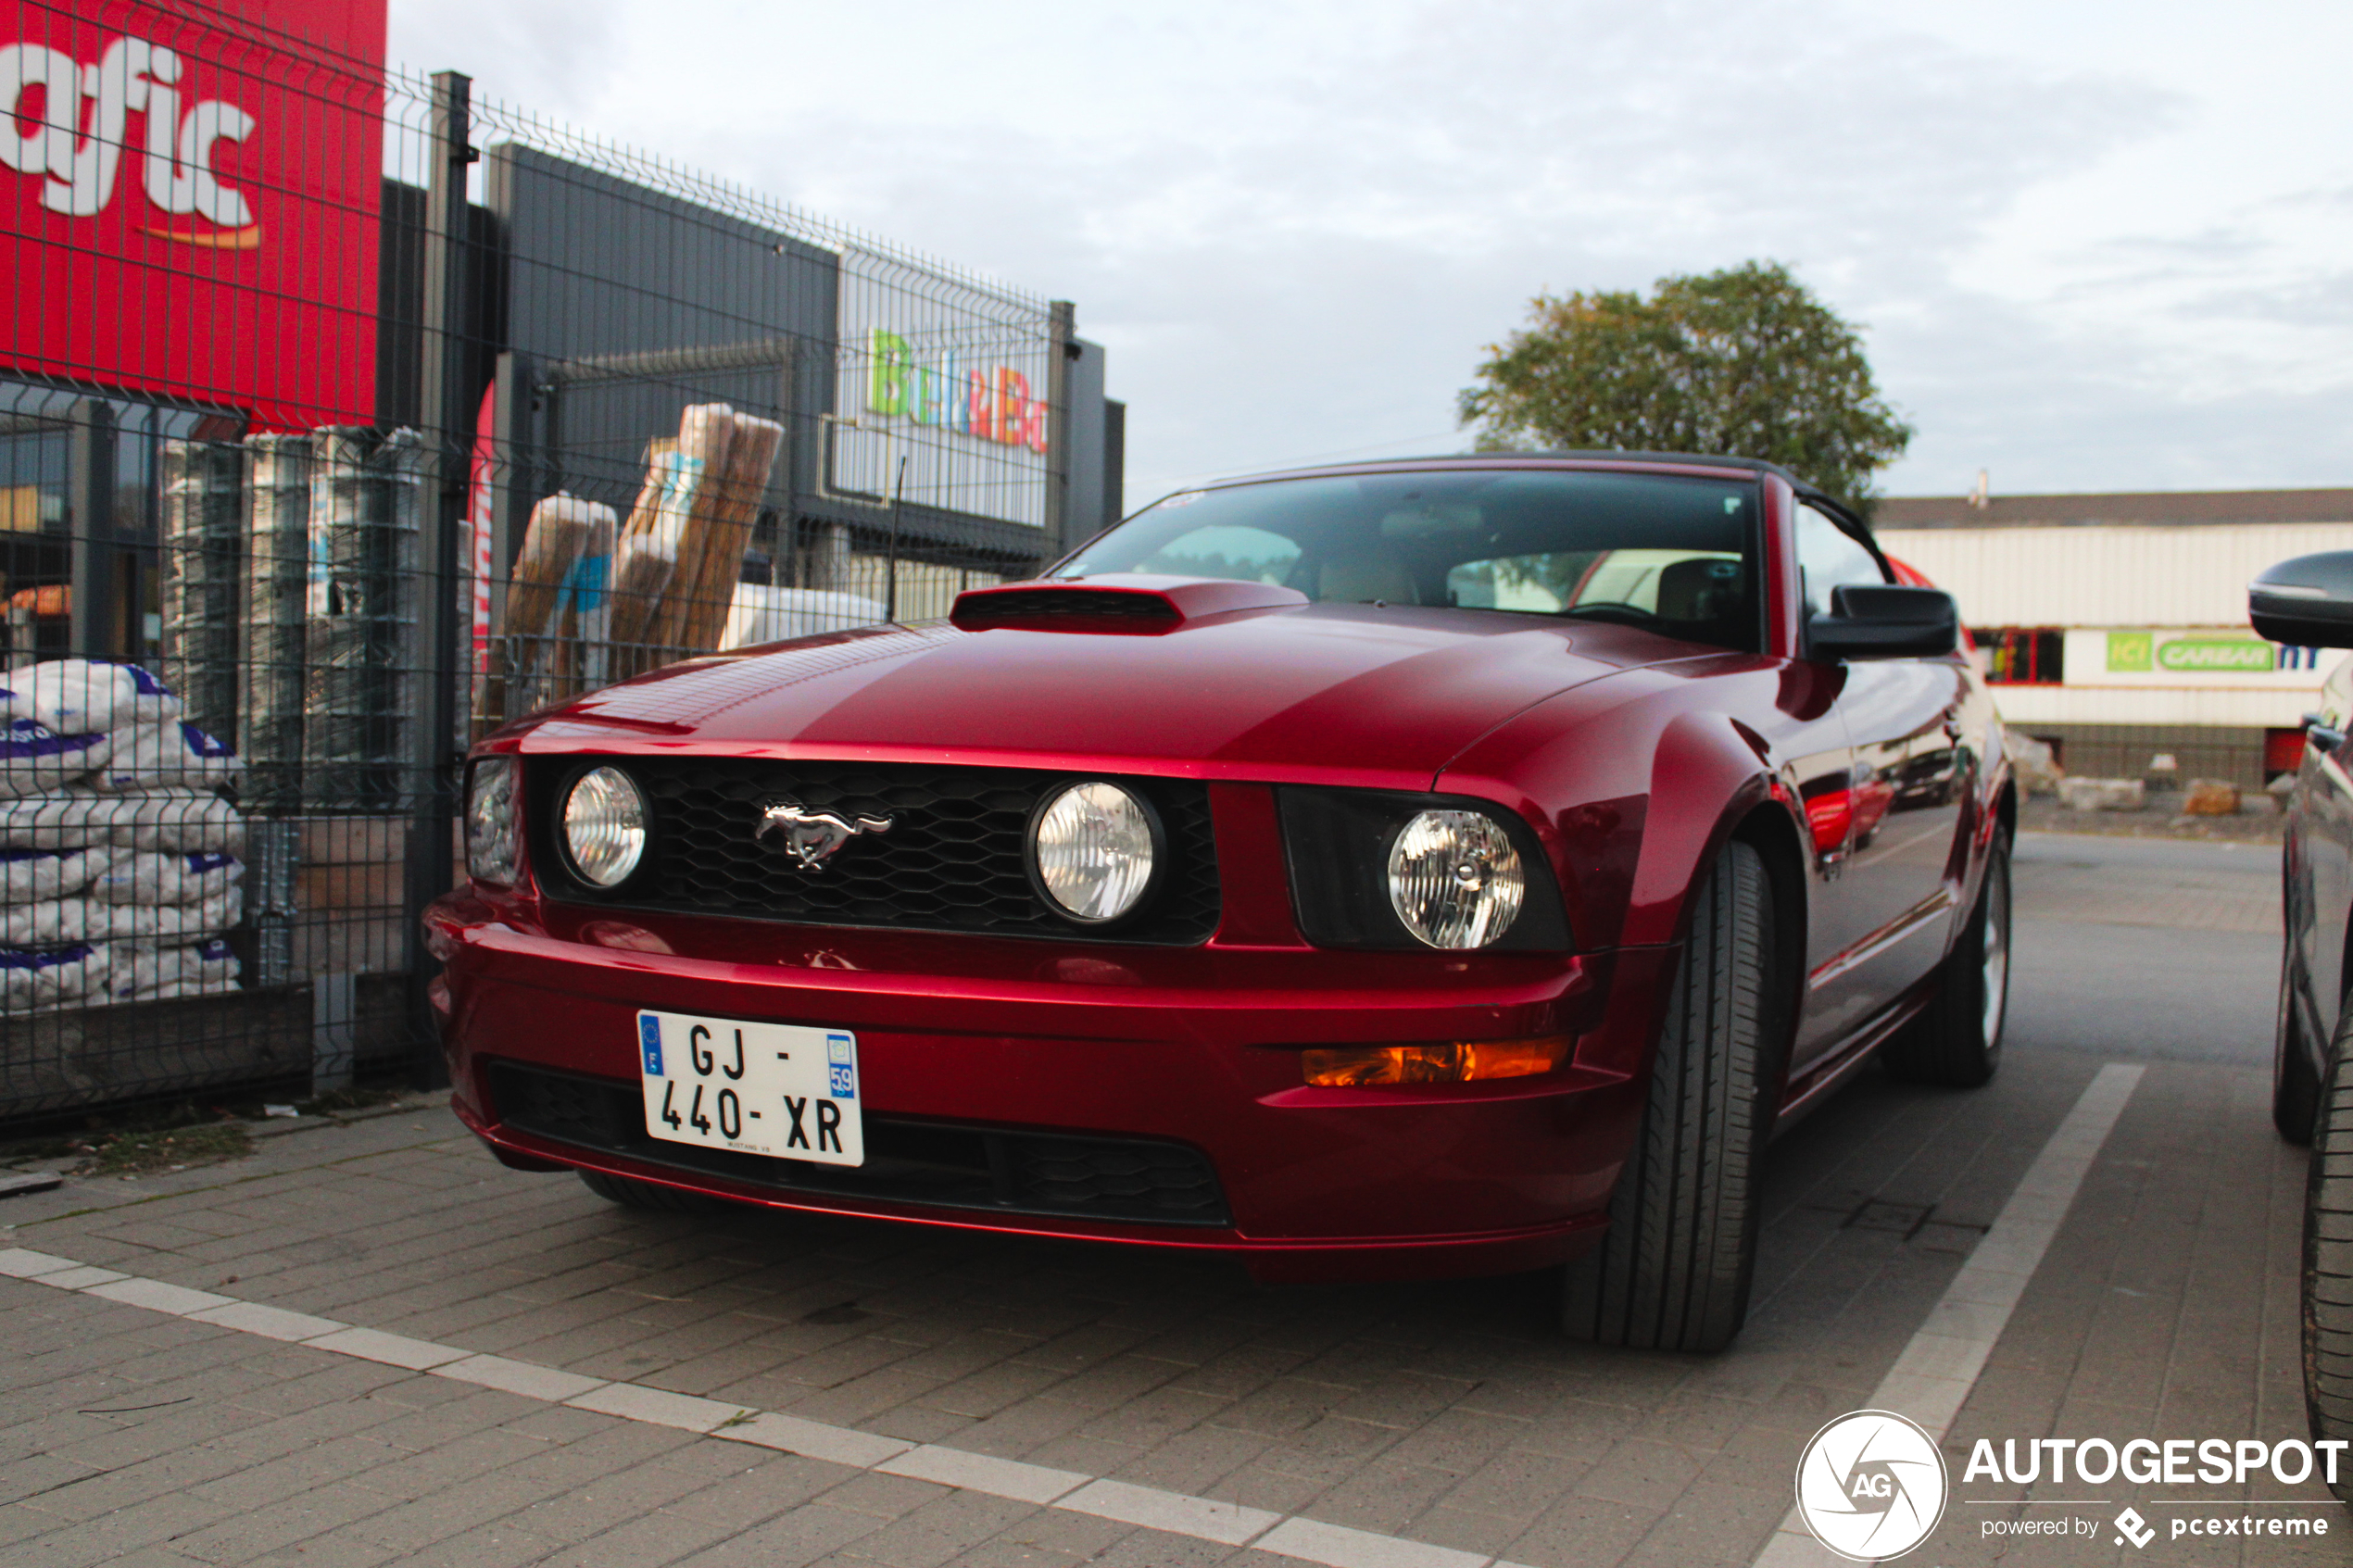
(2234, 754)
(599, 265)
(2157, 705)
(2107, 574)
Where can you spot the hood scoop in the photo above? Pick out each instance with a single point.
(1116, 604)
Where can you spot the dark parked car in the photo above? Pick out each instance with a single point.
(1415, 868)
(2307, 602)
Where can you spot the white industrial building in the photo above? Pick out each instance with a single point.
(2114, 626)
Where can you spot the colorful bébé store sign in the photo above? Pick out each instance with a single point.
(943, 399)
(191, 198)
(986, 402)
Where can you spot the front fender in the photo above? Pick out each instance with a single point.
(1634, 782)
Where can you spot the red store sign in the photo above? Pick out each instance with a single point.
(192, 193)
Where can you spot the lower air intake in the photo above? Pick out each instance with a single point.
(1133, 1180)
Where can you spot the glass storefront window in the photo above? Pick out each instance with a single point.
(40, 533)
(2023, 655)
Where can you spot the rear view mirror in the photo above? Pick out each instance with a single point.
(2306, 602)
(1886, 622)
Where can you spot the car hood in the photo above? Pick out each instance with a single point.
(1340, 693)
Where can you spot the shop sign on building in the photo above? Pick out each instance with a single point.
(988, 403)
(190, 196)
(2186, 657)
(948, 397)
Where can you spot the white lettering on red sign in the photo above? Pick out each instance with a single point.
(79, 133)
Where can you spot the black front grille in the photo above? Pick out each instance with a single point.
(928, 1162)
(954, 858)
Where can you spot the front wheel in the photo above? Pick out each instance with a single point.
(2328, 1257)
(1673, 1272)
(1956, 1040)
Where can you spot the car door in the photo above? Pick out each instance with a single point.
(1811, 738)
(2322, 858)
(1895, 896)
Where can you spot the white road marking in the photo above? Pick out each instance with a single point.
(1932, 1378)
(1228, 1524)
(1131, 1504)
(985, 1473)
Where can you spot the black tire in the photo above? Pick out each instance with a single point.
(2296, 1082)
(2328, 1260)
(1673, 1274)
(1956, 1040)
(631, 1193)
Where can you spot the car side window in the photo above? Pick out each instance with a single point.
(1828, 557)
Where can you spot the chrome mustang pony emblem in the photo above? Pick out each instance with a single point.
(813, 837)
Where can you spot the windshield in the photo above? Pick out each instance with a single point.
(1675, 555)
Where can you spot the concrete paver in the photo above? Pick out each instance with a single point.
(1430, 1418)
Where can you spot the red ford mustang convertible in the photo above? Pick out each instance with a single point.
(1443, 867)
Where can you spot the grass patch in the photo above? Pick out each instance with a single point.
(159, 1135)
(131, 1153)
(346, 1100)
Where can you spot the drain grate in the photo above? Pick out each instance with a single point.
(1878, 1214)
(1916, 1222)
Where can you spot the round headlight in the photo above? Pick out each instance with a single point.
(604, 826)
(1092, 849)
(1454, 879)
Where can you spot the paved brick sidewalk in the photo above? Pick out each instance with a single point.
(1444, 1413)
(2168, 1310)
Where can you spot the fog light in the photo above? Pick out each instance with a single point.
(604, 820)
(1091, 849)
(1454, 1061)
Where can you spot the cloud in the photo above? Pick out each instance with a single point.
(545, 55)
(1296, 229)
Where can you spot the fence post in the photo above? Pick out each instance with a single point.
(449, 428)
(96, 609)
(1061, 328)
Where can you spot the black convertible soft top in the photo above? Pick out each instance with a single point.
(1808, 490)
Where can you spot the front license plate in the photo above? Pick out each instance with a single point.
(759, 1088)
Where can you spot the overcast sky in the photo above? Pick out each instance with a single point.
(2092, 245)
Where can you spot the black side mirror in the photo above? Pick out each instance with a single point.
(1886, 622)
(2306, 602)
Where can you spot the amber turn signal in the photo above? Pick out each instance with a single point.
(1456, 1061)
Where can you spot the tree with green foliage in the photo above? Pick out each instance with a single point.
(1744, 362)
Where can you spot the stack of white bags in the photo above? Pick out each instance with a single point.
(118, 862)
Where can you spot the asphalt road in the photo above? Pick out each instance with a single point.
(2145, 950)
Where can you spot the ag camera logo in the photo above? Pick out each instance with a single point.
(1872, 1485)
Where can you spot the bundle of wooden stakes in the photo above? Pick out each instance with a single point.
(554, 643)
(592, 600)
(682, 549)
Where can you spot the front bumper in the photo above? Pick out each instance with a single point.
(1003, 1041)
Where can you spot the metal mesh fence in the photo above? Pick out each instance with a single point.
(344, 419)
